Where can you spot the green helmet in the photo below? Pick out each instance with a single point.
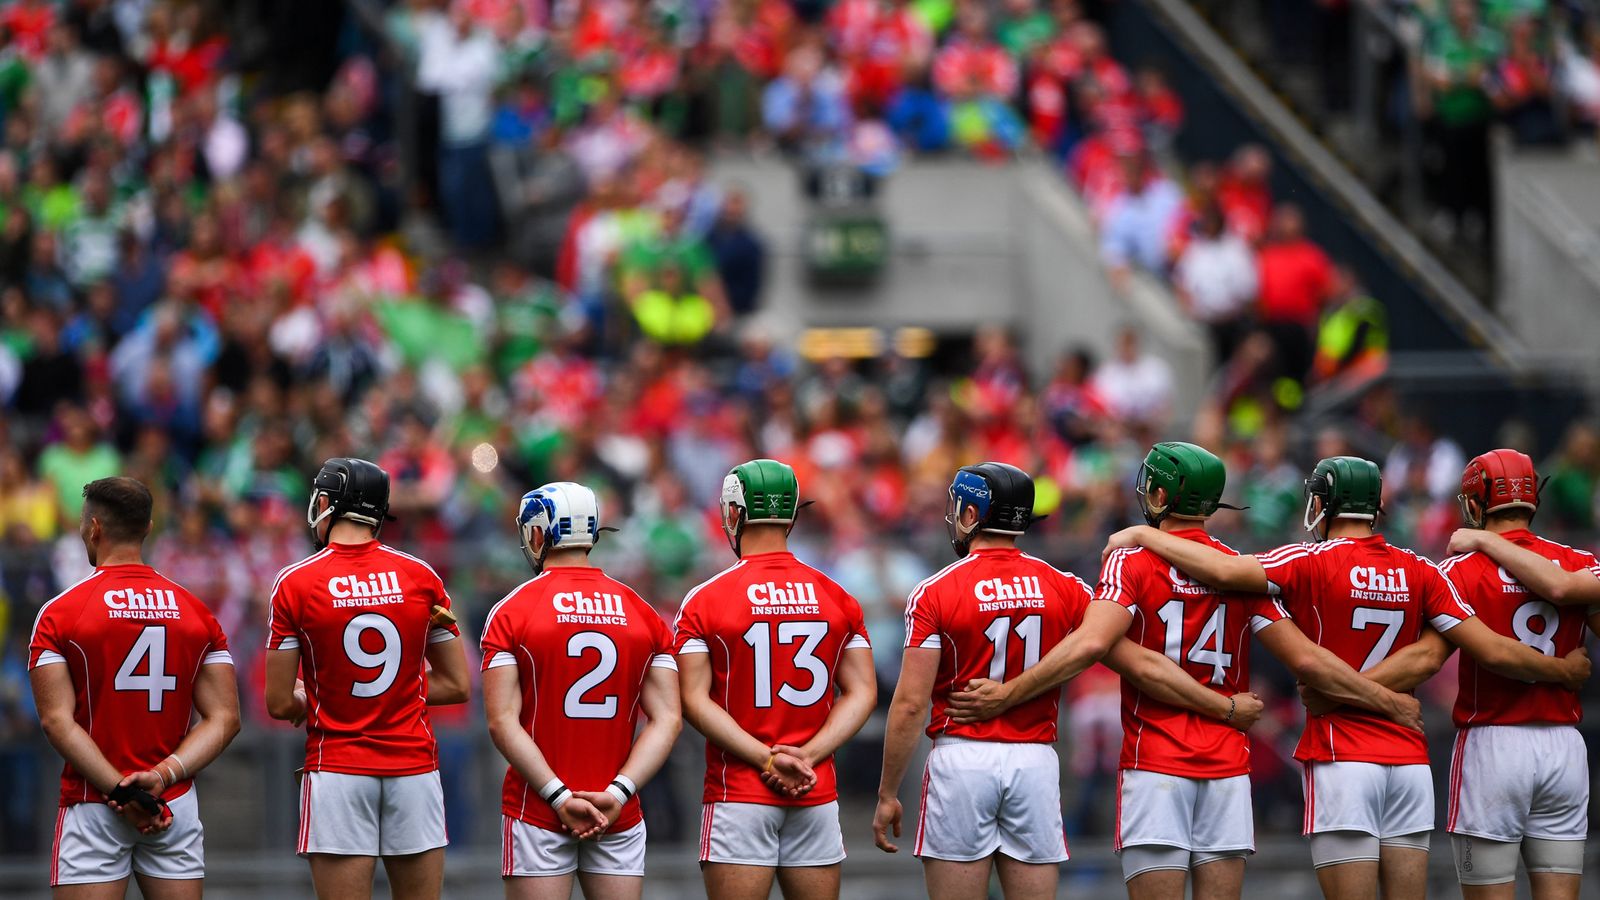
(1192, 476)
(761, 491)
(1350, 488)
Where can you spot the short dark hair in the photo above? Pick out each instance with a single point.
(122, 505)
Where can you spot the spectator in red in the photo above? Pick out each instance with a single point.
(29, 22)
(1160, 109)
(1295, 278)
(1244, 193)
(1520, 86)
(972, 66)
(650, 71)
(884, 45)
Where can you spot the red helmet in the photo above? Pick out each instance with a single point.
(1498, 480)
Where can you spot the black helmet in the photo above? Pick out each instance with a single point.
(1001, 494)
(356, 489)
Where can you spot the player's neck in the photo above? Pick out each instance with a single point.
(986, 541)
(1181, 523)
(570, 558)
(120, 555)
(1503, 524)
(1350, 528)
(763, 539)
(345, 531)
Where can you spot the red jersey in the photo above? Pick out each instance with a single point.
(1510, 609)
(1363, 600)
(361, 617)
(576, 634)
(991, 614)
(134, 642)
(1207, 633)
(775, 629)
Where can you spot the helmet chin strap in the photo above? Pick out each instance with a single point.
(1310, 523)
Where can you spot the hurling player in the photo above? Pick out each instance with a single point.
(599, 655)
(776, 671)
(991, 791)
(1184, 803)
(121, 663)
(1369, 792)
(371, 629)
(1519, 783)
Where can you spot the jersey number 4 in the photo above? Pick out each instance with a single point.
(149, 652)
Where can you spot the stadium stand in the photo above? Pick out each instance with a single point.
(493, 243)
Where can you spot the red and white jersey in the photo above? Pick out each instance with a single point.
(583, 642)
(1207, 633)
(992, 614)
(134, 642)
(1362, 599)
(775, 629)
(1510, 609)
(361, 617)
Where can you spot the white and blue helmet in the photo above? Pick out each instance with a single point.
(564, 513)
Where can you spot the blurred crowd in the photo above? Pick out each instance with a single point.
(211, 280)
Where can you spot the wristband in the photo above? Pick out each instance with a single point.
(165, 781)
(555, 793)
(179, 760)
(1233, 706)
(622, 788)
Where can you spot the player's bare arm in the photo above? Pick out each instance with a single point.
(908, 713)
(449, 682)
(1220, 570)
(285, 695)
(720, 728)
(1514, 659)
(502, 706)
(1402, 671)
(1335, 679)
(1164, 680)
(659, 702)
(55, 698)
(1560, 586)
(216, 706)
(857, 684)
(1104, 623)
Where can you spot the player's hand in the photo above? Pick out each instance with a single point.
(1247, 709)
(983, 699)
(1316, 702)
(886, 817)
(139, 817)
(1578, 669)
(608, 805)
(581, 819)
(1466, 540)
(1407, 711)
(1122, 540)
(301, 701)
(789, 773)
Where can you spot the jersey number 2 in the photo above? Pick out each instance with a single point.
(574, 704)
(149, 651)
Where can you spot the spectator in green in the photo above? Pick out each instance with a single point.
(647, 257)
(1024, 27)
(79, 458)
(1461, 52)
(1574, 476)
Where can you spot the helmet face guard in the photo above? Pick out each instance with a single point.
(1145, 488)
(1316, 487)
(355, 489)
(1497, 481)
(1349, 488)
(563, 515)
(960, 537)
(758, 492)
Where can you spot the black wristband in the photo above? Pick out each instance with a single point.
(1233, 706)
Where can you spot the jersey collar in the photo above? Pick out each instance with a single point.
(354, 548)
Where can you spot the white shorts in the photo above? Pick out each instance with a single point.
(530, 851)
(1381, 800)
(95, 845)
(368, 815)
(979, 797)
(1201, 815)
(1508, 782)
(755, 834)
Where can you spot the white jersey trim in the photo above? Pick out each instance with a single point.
(49, 658)
(501, 659)
(440, 635)
(289, 643)
(663, 661)
(695, 645)
(857, 642)
(217, 658)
